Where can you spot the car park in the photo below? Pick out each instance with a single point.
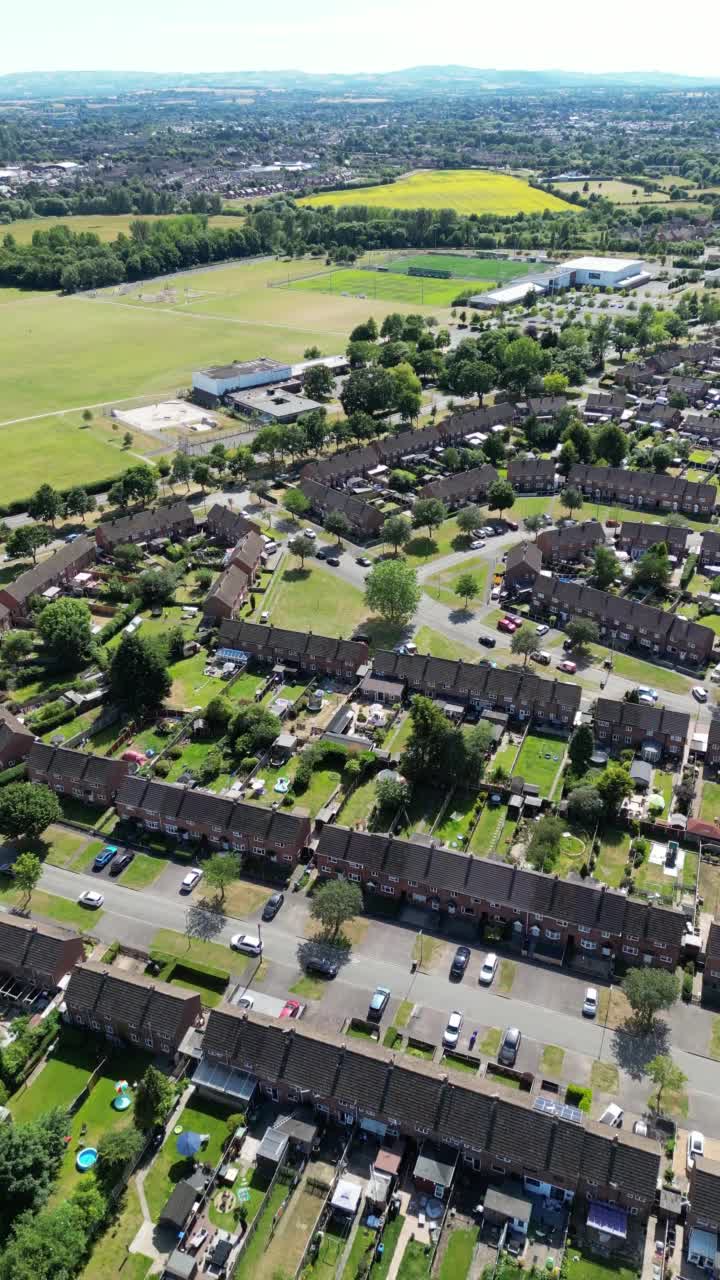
(106, 855)
(590, 1003)
(249, 943)
(451, 1034)
(489, 969)
(378, 1003)
(699, 693)
(460, 962)
(90, 898)
(272, 906)
(695, 1148)
(568, 667)
(488, 641)
(189, 881)
(119, 864)
(324, 966)
(509, 1047)
(612, 1115)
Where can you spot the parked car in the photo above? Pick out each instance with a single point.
(477, 543)
(119, 864)
(361, 636)
(322, 965)
(309, 533)
(91, 899)
(489, 969)
(567, 666)
(567, 645)
(291, 1009)
(590, 1003)
(640, 1129)
(512, 525)
(509, 1047)
(460, 962)
(505, 625)
(612, 1115)
(272, 906)
(134, 757)
(322, 553)
(542, 630)
(488, 641)
(249, 943)
(190, 880)
(333, 560)
(495, 593)
(378, 1003)
(695, 1148)
(542, 656)
(699, 693)
(364, 561)
(245, 1002)
(106, 855)
(651, 693)
(451, 1034)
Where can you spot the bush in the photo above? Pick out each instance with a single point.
(110, 954)
(17, 1058)
(576, 1095)
(175, 752)
(162, 768)
(248, 763)
(173, 966)
(687, 988)
(391, 1037)
(14, 774)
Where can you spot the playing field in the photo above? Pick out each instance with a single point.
(617, 192)
(64, 451)
(464, 190)
(388, 286)
(464, 267)
(106, 226)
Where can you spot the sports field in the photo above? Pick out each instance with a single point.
(106, 226)
(388, 286)
(617, 192)
(464, 190)
(63, 451)
(464, 267)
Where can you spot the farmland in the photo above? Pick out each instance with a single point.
(617, 192)
(106, 226)
(464, 190)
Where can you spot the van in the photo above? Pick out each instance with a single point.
(542, 656)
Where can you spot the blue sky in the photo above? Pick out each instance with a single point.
(332, 35)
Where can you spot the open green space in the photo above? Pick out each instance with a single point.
(540, 760)
(617, 192)
(210, 953)
(309, 988)
(465, 190)
(61, 910)
(614, 853)
(640, 672)
(388, 286)
(313, 599)
(458, 1255)
(252, 1255)
(441, 586)
(416, 1260)
(552, 1060)
(169, 1168)
(486, 836)
(110, 1255)
(60, 1081)
(463, 267)
(60, 447)
(107, 226)
(441, 646)
(143, 871)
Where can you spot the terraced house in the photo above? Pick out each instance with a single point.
(228, 527)
(532, 475)
(702, 426)
(301, 650)
(643, 489)
(570, 542)
(275, 835)
(638, 536)
(15, 739)
(130, 1008)
(623, 622)
(57, 571)
(38, 954)
(605, 404)
(518, 693)
(462, 487)
(365, 519)
(571, 921)
(94, 779)
(383, 1093)
(653, 731)
(713, 747)
(709, 549)
(175, 520)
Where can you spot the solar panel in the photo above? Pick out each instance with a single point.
(551, 1107)
(570, 1113)
(548, 1106)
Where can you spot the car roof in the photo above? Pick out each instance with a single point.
(512, 1033)
(490, 958)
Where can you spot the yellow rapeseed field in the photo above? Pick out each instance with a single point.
(465, 190)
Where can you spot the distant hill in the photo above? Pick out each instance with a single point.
(446, 80)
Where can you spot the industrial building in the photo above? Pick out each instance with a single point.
(210, 385)
(603, 273)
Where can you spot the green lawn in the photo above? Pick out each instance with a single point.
(389, 286)
(663, 783)
(572, 853)
(398, 736)
(62, 910)
(360, 805)
(420, 813)
(61, 1079)
(391, 1235)
(440, 646)
(143, 871)
(581, 1265)
(463, 266)
(604, 1077)
(362, 1250)
(642, 672)
(540, 761)
(710, 804)
(251, 1256)
(490, 822)
(61, 447)
(168, 1168)
(441, 586)
(507, 976)
(309, 988)
(415, 1264)
(458, 820)
(64, 848)
(552, 1060)
(614, 853)
(423, 548)
(190, 686)
(490, 1042)
(212, 953)
(313, 599)
(458, 1254)
(110, 1256)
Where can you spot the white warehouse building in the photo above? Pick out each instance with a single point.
(603, 273)
(216, 381)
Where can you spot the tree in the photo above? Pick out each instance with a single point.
(78, 503)
(555, 384)
(204, 921)
(582, 632)
(397, 530)
(390, 794)
(334, 904)
(45, 504)
(337, 523)
(27, 870)
(544, 847)
(582, 745)
(614, 784)
(66, 630)
(476, 742)
(500, 495)
(201, 474)
(181, 470)
(318, 382)
(662, 457)
(534, 524)
(127, 440)
(138, 676)
(27, 540)
(302, 546)
(606, 566)
(117, 1148)
(30, 1157)
(433, 746)
(366, 332)
(610, 443)
(429, 513)
(653, 569)
(127, 556)
(467, 587)
(252, 729)
(524, 641)
(26, 809)
(407, 391)
(523, 360)
(469, 520)
(156, 587)
(648, 991)
(50, 1244)
(371, 390)
(585, 807)
(296, 504)
(391, 589)
(665, 1075)
(571, 499)
(221, 870)
(217, 715)
(153, 1101)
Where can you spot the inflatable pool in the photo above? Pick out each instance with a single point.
(86, 1158)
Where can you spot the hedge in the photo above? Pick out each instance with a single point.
(13, 774)
(96, 486)
(173, 964)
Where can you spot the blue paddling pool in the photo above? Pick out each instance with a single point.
(86, 1158)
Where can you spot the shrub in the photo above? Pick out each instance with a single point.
(162, 768)
(687, 988)
(576, 1095)
(175, 751)
(391, 1037)
(110, 953)
(248, 763)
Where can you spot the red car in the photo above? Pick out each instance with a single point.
(505, 625)
(512, 524)
(290, 1009)
(568, 667)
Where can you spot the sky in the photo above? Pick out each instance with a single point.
(334, 35)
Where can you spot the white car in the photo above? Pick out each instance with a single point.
(90, 898)
(489, 969)
(542, 630)
(699, 692)
(451, 1034)
(590, 1003)
(310, 533)
(651, 693)
(695, 1148)
(495, 593)
(477, 544)
(249, 943)
(190, 880)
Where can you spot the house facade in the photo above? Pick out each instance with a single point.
(15, 739)
(227, 527)
(532, 475)
(702, 1225)
(709, 549)
(130, 1008)
(173, 521)
(712, 756)
(227, 593)
(523, 564)
(464, 486)
(570, 542)
(304, 650)
(711, 972)
(93, 779)
(544, 408)
(643, 489)
(57, 571)
(364, 518)
(605, 404)
(638, 536)
(274, 835)
(39, 954)
(656, 732)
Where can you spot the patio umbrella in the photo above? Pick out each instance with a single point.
(121, 1086)
(189, 1143)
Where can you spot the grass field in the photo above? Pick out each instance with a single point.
(465, 190)
(617, 192)
(540, 760)
(441, 646)
(63, 449)
(169, 1168)
(465, 268)
(313, 599)
(387, 286)
(441, 586)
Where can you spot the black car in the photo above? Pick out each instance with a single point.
(509, 1047)
(333, 560)
(362, 637)
(119, 864)
(488, 641)
(461, 960)
(272, 906)
(322, 965)
(567, 645)
(322, 553)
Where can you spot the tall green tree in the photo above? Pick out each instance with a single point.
(582, 745)
(334, 904)
(667, 1078)
(429, 513)
(396, 530)
(606, 567)
(66, 630)
(470, 519)
(27, 540)
(139, 678)
(572, 499)
(302, 547)
(27, 870)
(30, 1158)
(222, 870)
(392, 590)
(296, 504)
(524, 641)
(153, 1099)
(27, 809)
(467, 587)
(500, 495)
(648, 991)
(45, 504)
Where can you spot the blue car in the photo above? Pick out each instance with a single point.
(105, 855)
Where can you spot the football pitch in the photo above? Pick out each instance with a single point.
(465, 268)
(390, 286)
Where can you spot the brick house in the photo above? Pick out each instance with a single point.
(130, 1008)
(654, 731)
(570, 919)
(712, 757)
(624, 622)
(365, 519)
(518, 693)
(569, 542)
(277, 835)
(94, 779)
(663, 361)
(709, 548)
(247, 554)
(711, 972)
(227, 593)
(5, 618)
(523, 564)
(634, 377)
(703, 1215)
(605, 404)
(15, 739)
(57, 571)
(173, 521)
(301, 649)
(702, 426)
(660, 415)
(695, 390)
(39, 954)
(544, 408)
(490, 1130)
(227, 527)
(532, 475)
(643, 489)
(462, 487)
(638, 536)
